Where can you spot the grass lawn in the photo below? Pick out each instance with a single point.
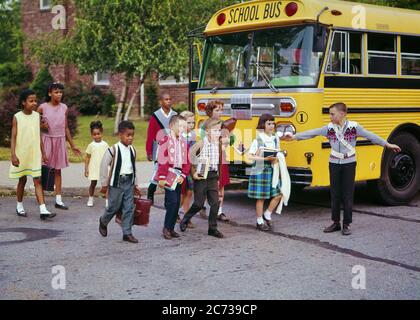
(83, 138)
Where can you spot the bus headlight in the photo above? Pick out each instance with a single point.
(282, 128)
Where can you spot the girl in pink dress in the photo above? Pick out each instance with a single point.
(55, 133)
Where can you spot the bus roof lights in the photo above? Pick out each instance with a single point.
(221, 18)
(291, 9)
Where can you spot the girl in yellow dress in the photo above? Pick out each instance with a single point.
(94, 154)
(27, 152)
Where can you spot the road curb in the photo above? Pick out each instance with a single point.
(83, 192)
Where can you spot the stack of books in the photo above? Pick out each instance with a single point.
(203, 167)
(171, 179)
(267, 152)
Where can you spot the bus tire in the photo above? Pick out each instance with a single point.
(400, 173)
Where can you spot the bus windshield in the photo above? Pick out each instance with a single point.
(282, 57)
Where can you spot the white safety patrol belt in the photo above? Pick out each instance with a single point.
(340, 136)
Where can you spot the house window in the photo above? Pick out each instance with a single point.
(410, 56)
(45, 4)
(171, 80)
(346, 53)
(101, 78)
(382, 53)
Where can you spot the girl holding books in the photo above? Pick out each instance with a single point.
(261, 180)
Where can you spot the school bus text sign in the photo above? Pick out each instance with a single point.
(255, 12)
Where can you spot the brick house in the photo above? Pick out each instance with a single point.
(37, 19)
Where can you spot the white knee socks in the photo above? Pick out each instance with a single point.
(58, 200)
(267, 214)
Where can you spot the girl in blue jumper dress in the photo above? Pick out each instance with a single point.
(260, 185)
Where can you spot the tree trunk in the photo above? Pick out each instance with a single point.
(133, 97)
(121, 103)
(142, 101)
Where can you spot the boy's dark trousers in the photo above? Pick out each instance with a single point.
(122, 197)
(208, 188)
(342, 190)
(172, 203)
(152, 186)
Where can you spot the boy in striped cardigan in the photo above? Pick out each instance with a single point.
(120, 182)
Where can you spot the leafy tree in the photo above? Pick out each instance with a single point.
(41, 82)
(406, 4)
(135, 37)
(13, 72)
(10, 35)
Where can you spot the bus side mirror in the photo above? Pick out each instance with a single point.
(196, 61)
(319, 38)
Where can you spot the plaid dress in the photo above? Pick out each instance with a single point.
(260, 182)
(259, 186)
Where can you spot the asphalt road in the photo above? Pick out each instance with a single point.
(380, 260)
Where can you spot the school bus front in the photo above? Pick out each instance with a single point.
(293, 59)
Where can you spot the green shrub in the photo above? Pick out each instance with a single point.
(179, 107)
(40, 84)
(9, 100)
(72, 115)
(152, 99)
(14, 74)
(89, 101)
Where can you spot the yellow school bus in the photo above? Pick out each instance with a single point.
(293, 59)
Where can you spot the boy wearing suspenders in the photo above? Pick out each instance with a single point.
(342, 135)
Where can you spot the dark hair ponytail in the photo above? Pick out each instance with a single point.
(96, 125)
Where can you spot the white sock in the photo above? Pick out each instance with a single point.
(106, 203)
(43, 209)
(19, 206)
(260, 220)
(58, 199)
(91, 199)
(220, 211)
(267, 214)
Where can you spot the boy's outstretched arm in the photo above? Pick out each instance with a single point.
(307, 134)
(362, 132)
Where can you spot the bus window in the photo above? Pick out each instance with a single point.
(280, 57)
(382, 54)
(355, 56)
(410, 55)
(346, 53)
(338, 55)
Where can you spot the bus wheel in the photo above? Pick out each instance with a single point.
(400, 173)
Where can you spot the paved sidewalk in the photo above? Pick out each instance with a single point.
(73, 176)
